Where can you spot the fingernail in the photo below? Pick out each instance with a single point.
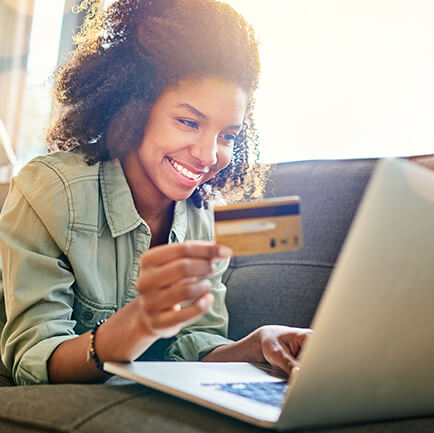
(295, 371)
(206, 301)
(205, 283)
(225, 251)
(202, 303)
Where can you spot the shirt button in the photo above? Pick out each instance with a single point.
(88, 315)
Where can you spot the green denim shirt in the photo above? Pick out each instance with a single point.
(70, 244)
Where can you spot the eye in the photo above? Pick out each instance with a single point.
(228, 137)
(189, 123)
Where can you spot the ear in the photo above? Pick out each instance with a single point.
(126, 129)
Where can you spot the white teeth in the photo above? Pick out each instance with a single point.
(184, 171)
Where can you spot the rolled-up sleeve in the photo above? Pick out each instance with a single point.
(38, 291)
(209, 332)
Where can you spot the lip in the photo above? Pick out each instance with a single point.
(189, 167)
(191, 183)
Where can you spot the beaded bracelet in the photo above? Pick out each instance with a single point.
(91, 353)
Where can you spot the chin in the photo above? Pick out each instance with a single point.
(180, 196)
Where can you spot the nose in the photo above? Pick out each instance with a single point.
(204, 150)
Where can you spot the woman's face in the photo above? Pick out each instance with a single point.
(189, 136)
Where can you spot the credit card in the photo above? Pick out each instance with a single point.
(259, 227)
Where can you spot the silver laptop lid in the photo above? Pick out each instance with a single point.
(372, 353)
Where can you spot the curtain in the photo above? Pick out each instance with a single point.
(25, 98)
(15, 25)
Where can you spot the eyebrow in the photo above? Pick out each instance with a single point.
(203, 116)
(193, 110)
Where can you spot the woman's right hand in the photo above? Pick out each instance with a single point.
(172, 285)
(173, 292)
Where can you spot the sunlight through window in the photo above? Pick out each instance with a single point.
(344, 78)
(42, 60)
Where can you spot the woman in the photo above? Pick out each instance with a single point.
(106, 246)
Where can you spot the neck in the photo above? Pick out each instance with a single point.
(150, 203)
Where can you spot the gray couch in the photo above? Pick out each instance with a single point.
(284, 288)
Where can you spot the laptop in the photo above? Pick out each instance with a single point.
(371, 356)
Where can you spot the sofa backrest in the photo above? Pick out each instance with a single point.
(285, 288)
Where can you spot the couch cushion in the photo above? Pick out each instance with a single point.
(59, 408)
(132, 408)
(285, 288)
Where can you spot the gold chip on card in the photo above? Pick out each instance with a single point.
(259, 227)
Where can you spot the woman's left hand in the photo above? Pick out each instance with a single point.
(280, 346)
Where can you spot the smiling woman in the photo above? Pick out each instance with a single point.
(189, 137)
(107, 244)
(131, 78)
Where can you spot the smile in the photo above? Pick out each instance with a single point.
(181, 169)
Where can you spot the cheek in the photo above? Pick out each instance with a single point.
(224, 157)
(158, 142)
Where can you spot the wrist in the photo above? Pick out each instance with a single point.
(123, 337)
(248, 349)
(92, 354)
(256, 345)
(138, 326)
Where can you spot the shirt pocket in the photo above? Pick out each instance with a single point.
(88, 312)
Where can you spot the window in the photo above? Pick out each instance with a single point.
(41, 63)
(344, 78)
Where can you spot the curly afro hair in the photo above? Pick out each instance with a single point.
(124, 58)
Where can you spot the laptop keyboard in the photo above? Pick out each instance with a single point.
(271, 393)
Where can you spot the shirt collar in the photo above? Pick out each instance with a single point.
(118, 202)
(119, 207)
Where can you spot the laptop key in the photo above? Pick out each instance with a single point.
(271, 393)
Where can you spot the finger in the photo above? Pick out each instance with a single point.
(277, 353)
(162, 276)
(168, 298)
(190, 249)
(295, 371)
(295, 344)
(185, 316)
(284, 360)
